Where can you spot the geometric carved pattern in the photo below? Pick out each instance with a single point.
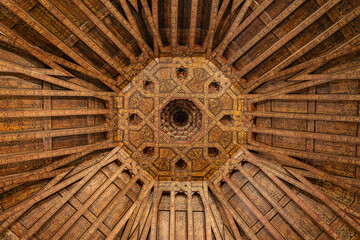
(181, 118)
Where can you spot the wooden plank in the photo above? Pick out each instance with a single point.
(307, 97)
(53, 113)
(294, 32)
(145, 191)
(104, 29)
(172, 215)
(248, 231)
(307, 47)
(209, 41)
(255, 211)
(156, 202)
(83, 36)
(15, 158)
(87, 204)
(270, 26)
(302, 154)
(18, 41)
(51, 133)
(174, 23)
(219, 50)
(311, 135)
(189, 210)
(141, 42)
(192, 32)
(17, 10)
(118, 198)
(319, 194)
(317, 117)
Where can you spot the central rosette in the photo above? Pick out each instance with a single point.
(180, 120)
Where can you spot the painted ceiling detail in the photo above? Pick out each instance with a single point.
(180, 119)
(183, 118)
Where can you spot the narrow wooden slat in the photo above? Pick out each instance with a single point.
(52, 113)
(189, 211)
(304, 24)
(302, 154)
(174, 22)
(145, 191)
(23, 136)
(10, 4)
(249, 232)
(317, 117)
(307, 97)
(270, 26)
(15, 158)
(211, 32)
(255, 211)
(192, 32)
(311, 135)
(323, 197)
(219, 50)
(104, 29)
(118, 198)
(18, 41)
(88, 203)
(141, 42)
(172, 215)
(307, 47)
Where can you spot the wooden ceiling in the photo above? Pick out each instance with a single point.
(296, 68)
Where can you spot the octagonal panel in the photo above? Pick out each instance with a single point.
(189, 119)
(181, 120)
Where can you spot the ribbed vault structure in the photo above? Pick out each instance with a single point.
(65, 173)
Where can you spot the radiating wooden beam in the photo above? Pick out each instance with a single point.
(284, 213)
(87, 204)
(53, 113)
(155, 31)
(192, 32)
(189, 211)
(33, 177)
(83, 36)
(141, 42)
(306, 97)
(311, 135)
(154, 220)
(270, 26)
(299, 86)
(13, 39)
(11, 214)
(310, 171)
(210, 219)
(120, 196)
(6, 66)
(304, 206)
(254, 210)
(25, 136)
(219, 50)
(145, 191)
(172, 215)
(305, 116)
(104, 29)
(56, 93)
(311, 64)
(302, 154)
(299, 28)
(16, 158)
(248, 231)
(174, 23)
(211, 32)
(324, 198)
(18, 41)
(24, 176)
(26, 17)
(307, 47)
